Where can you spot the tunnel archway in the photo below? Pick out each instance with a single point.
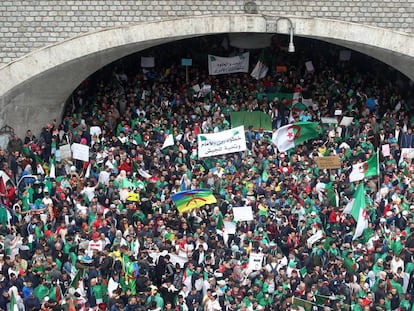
(33, 89)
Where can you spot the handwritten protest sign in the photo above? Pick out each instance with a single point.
(328, 162)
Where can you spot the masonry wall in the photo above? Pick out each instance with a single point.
(31, 24)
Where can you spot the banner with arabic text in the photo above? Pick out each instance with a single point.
(224, 65)
(224, 142)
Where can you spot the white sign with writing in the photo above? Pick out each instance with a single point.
(255, 261)
(243, 213)
(224, 65)
(224, 142)
(80, 152)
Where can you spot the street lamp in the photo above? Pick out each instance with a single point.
(291, 47)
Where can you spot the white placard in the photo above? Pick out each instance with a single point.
(95, 130)
(196, 88)
(309, 66)
(80, 152)
(229, 227)
(65, 152)
(344, 55)
(329, 120)
(147, 62)
(307, 102)
(385, 150)
(224, 65)
(243, 213)
(255, 261)
(346, 121)
(338, 112)
(229, 141)
(407, 153)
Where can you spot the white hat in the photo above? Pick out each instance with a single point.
(405, 213)
(73, 168)
(313, 213)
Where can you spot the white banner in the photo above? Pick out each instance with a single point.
(243, 213)
(223, 65)
(80, 152)
(224, 142)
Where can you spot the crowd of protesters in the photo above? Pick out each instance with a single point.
(76, 239)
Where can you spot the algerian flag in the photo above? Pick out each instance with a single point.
(357, 208)
(364, 169)
(88, 171)
(39, 169)
(52, 165)
(13, 304)
(259, 71)
(144, 174)
(291, 135)
(169, 141)
(331, 194)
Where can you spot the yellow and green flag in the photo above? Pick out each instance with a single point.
(190, 199)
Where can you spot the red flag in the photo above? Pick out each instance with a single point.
(2, 186)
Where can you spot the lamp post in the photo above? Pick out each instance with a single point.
(291, 47)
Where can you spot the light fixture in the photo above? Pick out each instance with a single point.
(291, 47)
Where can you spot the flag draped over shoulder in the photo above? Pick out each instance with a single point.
(364, 169)
(357, 208)
(190, 199)
(291, 135)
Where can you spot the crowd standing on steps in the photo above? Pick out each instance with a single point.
(104, 234)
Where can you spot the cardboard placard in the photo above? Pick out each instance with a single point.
(328, 162)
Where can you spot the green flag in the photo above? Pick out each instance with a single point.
(365, 169)
(301, 304)
(331, 194)
(13, 304)
(291, 135)
(321, 300)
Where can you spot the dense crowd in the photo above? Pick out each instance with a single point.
(105, 235)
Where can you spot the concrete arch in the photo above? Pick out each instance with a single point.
(33, 89)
